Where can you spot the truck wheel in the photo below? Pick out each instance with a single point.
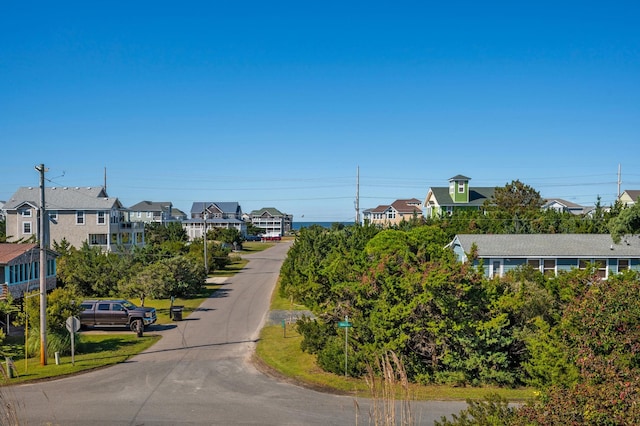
(136, 325)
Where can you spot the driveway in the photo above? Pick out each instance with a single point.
(200, 373)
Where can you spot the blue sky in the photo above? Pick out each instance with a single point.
(279, 104)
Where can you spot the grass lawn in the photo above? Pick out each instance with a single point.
(279, 349)
(100, 350)
(92, 351)
(281, 352)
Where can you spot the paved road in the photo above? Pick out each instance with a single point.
(199, 374)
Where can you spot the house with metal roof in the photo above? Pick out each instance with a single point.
(394, 213)
(76, 214)
(458, 196)
(206, 215)
(271, 220)
(549, 253)
(20, 269)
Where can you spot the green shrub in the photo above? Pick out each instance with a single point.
(315, 334)
(57, 341)
(493, 411)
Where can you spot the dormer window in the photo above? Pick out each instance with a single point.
(25, 213)
(460, 187)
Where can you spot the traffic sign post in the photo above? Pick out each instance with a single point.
(345, 324)
(73, 325)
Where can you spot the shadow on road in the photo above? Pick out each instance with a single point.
(208, 345)
(221, 292)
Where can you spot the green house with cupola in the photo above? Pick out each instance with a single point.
(458, 196)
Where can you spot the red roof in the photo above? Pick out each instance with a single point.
(8, 252)
(407, 206)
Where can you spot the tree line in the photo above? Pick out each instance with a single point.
(168, 265)
(573, 336)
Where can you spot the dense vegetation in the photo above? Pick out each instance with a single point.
(167, 266)
(573, 337)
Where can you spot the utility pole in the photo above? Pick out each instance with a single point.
(619, 179)
(358, 195)
(204, 224)
(43, 271)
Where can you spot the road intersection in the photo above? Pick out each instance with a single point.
(200, 373)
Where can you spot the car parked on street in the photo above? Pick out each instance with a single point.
(116, 313)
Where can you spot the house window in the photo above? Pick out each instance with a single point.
(98, 239)
(149, 215)
(53, 215)
(549, 267)
(25, 213)
(51, 268)
(534, 263)
(623, 265)
(26, 227)
(138, 215)
(79, 217)
(601, 266)
(102, 218)
(495, 270)
(460, 187)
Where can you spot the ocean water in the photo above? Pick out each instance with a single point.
(297, 225)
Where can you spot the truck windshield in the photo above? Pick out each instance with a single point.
(128, 304)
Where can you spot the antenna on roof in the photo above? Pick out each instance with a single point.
(105, 180)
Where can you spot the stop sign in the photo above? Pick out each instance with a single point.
(73, 324)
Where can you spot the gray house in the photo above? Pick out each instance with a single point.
(549, 253)
(562, 206)
(77, 214)
(271, 220)
(207, 215)
(151, 211)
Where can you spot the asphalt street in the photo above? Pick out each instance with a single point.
(200, 373)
